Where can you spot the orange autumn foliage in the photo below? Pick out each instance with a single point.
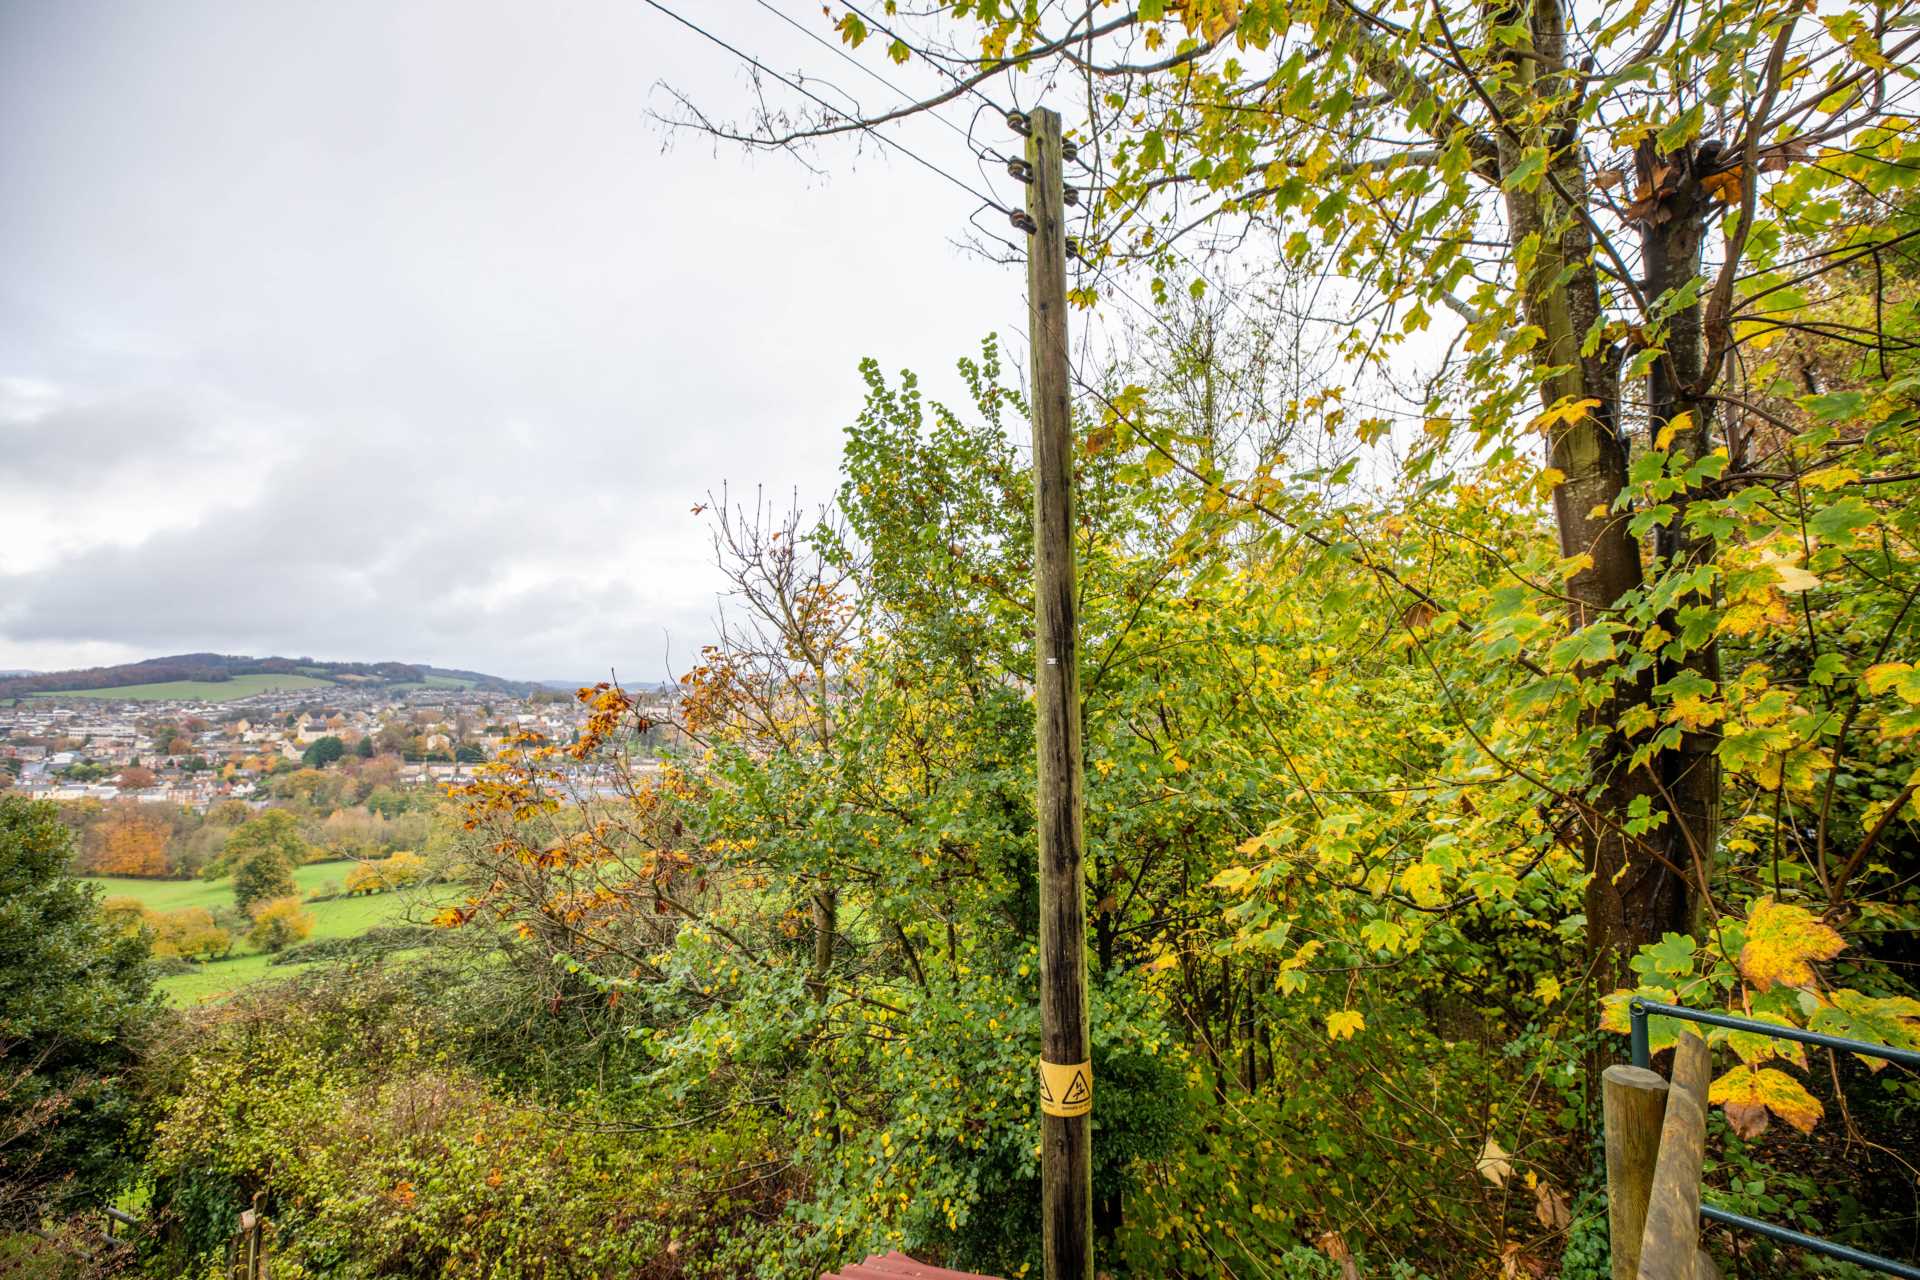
(129, 843)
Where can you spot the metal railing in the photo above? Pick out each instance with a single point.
(1639, 1010)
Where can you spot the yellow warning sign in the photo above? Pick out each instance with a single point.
(1066, 1090)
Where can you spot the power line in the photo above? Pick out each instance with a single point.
(883, 29)
(864, 69)
(762, 67)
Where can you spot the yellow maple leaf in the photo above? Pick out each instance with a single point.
(1231, 878)
(1566, 410)
(1744, 1088)
(1830, 477)
(1793, 579)
(1422, 881)
(1724, 187)
(1781, 939)
(1675, 425)
(1342, 1025)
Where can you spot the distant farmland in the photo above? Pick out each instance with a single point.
(195, 690)
(335, 918)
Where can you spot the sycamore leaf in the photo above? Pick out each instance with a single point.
(1781, 939)
(1724, 186)
(1422, 881)
(1793, 579)
(1550, 1207)
(1525, 174)
(1830, 477)
(1897, 676)
(1672, 955)
(1776, 1091)
(1567, 410)
(1230, 879)
(1748, 1119)
(1889, 1020)
(1382, 935)
(1342, 1025)
(1493, 1164)
(1675, 425)
(1755, 1047)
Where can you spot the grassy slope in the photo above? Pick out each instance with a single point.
(339, 918)
(196, 690)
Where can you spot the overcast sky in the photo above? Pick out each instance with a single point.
(386, 329)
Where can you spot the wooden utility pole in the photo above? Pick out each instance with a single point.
(1066, 1069)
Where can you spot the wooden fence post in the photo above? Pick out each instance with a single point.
(1633, 1102)
(247, 1251)
(1670, 1246)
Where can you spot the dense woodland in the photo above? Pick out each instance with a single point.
(1497, 574)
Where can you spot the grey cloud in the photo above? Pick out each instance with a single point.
(391, 331)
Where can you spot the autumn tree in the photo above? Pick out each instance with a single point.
(279, 923)
(186, 934)
(399, 870)
(127, 842)
(1609, 216)
(261, 877)
(271, 830)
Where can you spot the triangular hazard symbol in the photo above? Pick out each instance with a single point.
(1046, 1094)
(1078, 1091)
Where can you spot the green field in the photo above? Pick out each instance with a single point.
(196, 690)
(338, 918)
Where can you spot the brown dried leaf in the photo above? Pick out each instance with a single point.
(1331, 1244)
(1748, 1119)
(1644, 209)
(1777, 158)
(1517, 1264)
(1550, 1207)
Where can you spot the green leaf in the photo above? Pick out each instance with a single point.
(1525, 174)
(1682, 131)
(1835, 406)
(1838, 521)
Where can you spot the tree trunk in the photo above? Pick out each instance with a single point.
(1670, 249)
(1632, 898)
(826, 908)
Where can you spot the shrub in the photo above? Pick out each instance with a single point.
(396, 872)
(187, 934)
(279, 924)
(382, 1157)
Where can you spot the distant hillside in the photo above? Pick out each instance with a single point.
(219, 668)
